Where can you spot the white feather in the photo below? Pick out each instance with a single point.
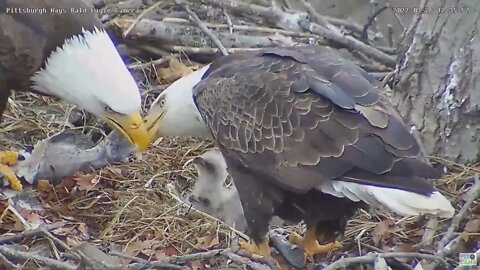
(400, 201)
(182, 117)
(88, 71)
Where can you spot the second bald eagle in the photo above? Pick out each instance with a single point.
(306, 135)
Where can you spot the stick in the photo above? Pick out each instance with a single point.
(245, 261)
(248, 28)
(141, 263)
(205, 29)
(351, 43)
(177, 32)
(151, 63)
(172, 262)
(145, 12)
(370, 258)
(28, 233)
(316, 16)
(195, 256)
(6, 262)
(206, 50)
(370, 21)
(44, 261)
(474, 193)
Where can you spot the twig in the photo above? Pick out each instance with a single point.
(474, 193)
(350, 42)
(316, 16)
(44, 261)
(151, 63)
(205, 29)
(370, 21)
(28, 233)
(249, 28)
(245, 261)
(145, 12)
(430, 231)
(4, 261)
(57, 241)
(172, 262)
(195, 256)
(140, 263)
(229, 22)
(206, 50)
(370, 258)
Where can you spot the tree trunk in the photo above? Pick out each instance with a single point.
(438, 86)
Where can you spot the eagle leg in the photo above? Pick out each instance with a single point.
(262, 249)
(310, 244)
(10, 158)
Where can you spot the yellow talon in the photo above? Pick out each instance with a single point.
(262, 249)
(8, 157)
(11, 177)
(310, 244)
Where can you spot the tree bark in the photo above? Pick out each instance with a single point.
(438, 86)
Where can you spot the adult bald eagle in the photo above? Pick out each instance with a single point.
(59, 48)
(306, 135)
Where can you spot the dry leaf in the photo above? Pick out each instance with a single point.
(383, 232)
(63, 231)
(166, 252)
(206, 242)
(146, 247)
(404, 248)
(72, 240)
(35, 220)
(82, 227)
(472, 227)
(174, 71)
(44, 186)
(85, 181)
(170, 251)
(197, 265)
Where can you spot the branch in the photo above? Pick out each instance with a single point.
(5, 262)
(296, 22)
(351, 43)
(370, 21)
(145, 12)
(372, 257)
(473, 194)
(173, 32)
(41, 260)
(29, 233)
(204, 28)
(248, 28)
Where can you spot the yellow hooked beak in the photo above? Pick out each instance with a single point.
(131, 127)
(153, 120)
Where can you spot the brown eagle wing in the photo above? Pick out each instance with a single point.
(304, 115)
(26, 38)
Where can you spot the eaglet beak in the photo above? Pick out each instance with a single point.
(131, 127)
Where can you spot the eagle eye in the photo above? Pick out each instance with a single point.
(161, 102)
(108, 109)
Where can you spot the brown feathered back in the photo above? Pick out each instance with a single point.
(27, 38)
(303, 115)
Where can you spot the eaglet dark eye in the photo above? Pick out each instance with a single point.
(204, 201)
